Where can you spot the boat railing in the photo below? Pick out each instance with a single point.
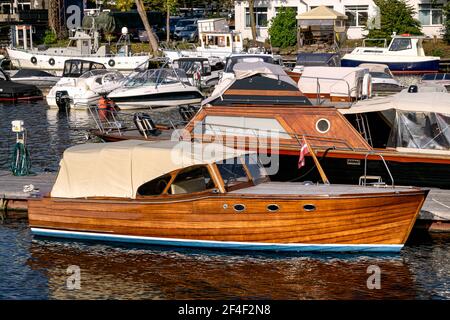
(350, 90)
(363, 179)
(83, 55)
(117, 122)
(263, 135)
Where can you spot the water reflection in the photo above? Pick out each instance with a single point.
(157, 273)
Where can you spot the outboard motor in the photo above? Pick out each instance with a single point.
(413, 89)
(62, 100)
(144, 123)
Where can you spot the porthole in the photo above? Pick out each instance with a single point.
(273, 207)
(239, 207)
(323, 125)
(309, 207)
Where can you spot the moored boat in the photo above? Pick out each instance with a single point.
(404, 55)
(210, 196)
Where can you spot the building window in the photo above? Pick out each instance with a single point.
(430, 14)
(260, 17)
(357, 15)
(277, 9)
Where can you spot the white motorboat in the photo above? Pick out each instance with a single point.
(404, 55)
(82, 45)
(216, 44)
(38, 78)
(156, 88)
(382, 78)
(84, 82)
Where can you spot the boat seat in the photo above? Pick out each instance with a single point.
(188, 186)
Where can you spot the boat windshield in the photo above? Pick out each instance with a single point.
(231, 61)
(94, 72)
(233, 171)
(380, 75)
(191, 66)
(155, 77)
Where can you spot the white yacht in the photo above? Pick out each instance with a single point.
(404, 55)
(83, 45)
(217, 42)
(156, 88)
(382, 78)
(84, 82)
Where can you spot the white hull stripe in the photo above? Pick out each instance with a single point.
(233, 245)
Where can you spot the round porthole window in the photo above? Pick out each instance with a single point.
(323, 125)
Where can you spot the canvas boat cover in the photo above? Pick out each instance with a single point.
(437, 102)
(419, 121)
(244, 70)
(336, 81)
(118, 169)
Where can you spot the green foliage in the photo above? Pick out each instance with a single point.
(446, 12)
(283, 28)
(124, 5)
(50, 37)
(396, 16)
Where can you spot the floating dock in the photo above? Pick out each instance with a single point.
(435, 213)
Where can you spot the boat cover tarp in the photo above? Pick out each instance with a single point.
(336, 81)
(438, 102)
(118, 169)
(25, 73)
(419, 120)
(244, 70)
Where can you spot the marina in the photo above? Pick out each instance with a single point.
(174, 169)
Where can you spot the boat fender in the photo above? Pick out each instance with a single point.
(111, 63)
(51, 61)
(33, 60)
(367, 86)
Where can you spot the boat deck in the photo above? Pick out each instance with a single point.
(293, 188)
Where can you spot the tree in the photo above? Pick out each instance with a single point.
(151, 36)
(446, 12)
(170, 5)
(396, 16)
(283, 28)
(251, 11)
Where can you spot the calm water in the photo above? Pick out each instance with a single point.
(37, 269)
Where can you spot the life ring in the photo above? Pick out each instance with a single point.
(111, 63)
(33, 60)
(51, 61)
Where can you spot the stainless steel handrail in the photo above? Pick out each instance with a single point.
(385, 164)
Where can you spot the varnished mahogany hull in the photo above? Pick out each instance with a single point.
(370, 222)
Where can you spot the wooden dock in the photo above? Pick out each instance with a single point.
(13, 198)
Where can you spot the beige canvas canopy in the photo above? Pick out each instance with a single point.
(437, 102)
(322, 13)
(118, 169)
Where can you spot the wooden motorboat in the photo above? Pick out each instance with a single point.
(211, 196)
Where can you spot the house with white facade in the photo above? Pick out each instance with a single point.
(359, 13)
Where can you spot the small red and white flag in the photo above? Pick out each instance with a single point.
(303, 152)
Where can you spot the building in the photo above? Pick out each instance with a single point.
(359, 13)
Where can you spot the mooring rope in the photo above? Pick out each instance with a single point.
(20, 160)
